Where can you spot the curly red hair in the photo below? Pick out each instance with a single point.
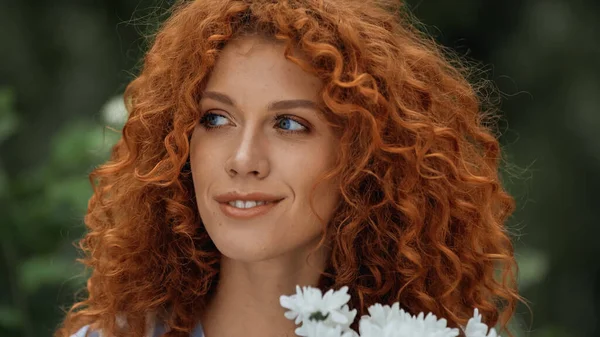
(422, 220)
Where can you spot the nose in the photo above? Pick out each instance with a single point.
(249, 157)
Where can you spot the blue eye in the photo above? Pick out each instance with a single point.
(285, 123)
(211, 120)
(289, 124)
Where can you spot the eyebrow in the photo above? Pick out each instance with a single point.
(275, 105)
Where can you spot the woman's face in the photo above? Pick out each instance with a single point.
(260, 133)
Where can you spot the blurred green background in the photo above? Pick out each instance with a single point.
(64, 65)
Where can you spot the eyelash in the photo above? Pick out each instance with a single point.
(276, 119)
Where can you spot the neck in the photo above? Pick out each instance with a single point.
(246, 302)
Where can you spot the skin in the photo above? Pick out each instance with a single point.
(245, 147)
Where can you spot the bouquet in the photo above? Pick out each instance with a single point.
(329, 316)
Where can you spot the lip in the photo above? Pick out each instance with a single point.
(247, 213)
(256, 196)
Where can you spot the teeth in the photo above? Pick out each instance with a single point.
(246, 204)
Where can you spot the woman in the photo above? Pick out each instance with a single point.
(276, 143)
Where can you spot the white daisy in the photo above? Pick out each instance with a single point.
(304, 330)
(382, 314)
(475, 328)
(386, 321)
(321, 329)
(329, 316)
(310, 304)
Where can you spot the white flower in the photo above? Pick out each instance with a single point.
(475, 328)
(386, 321)
(310, 304)
(384, 314)
(345, 310)
(329, 316)
(321, 329)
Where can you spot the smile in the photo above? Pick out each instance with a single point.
(240, 209)
(247, 204)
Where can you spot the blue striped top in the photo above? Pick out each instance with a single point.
(158, 330)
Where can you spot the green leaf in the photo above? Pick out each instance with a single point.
(80, 145)
(40, 271)
(72, 191)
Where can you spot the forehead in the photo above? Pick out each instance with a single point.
(254, 67)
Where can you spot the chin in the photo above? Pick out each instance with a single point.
(245, 253)
(245, 247)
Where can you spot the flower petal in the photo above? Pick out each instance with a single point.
(290, 314)
(338, 317)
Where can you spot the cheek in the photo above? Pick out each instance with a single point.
(203, 165)
(326, 195)
(302, 172)
(305, 162)
(325, 200)
(203, 157)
